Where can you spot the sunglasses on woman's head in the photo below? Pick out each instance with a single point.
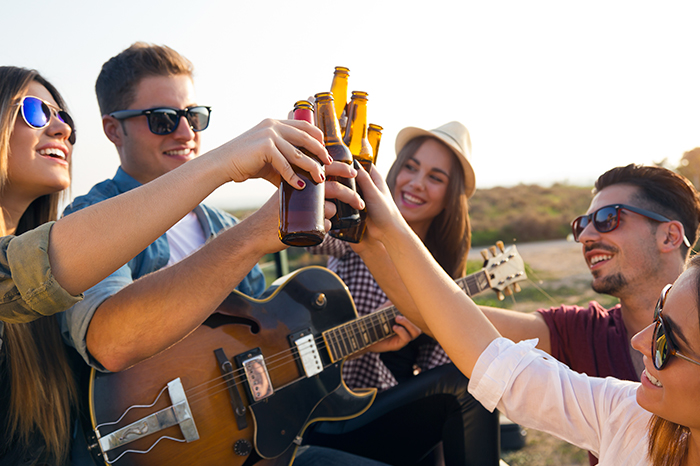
(662, 344)
(165, 120)
(607, 218)
(37, 114)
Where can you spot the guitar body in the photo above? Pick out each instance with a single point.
(313, 300)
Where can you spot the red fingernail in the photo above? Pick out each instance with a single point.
(300, 184)
(323, 178)
(330, 159)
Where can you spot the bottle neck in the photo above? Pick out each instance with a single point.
(327, 122)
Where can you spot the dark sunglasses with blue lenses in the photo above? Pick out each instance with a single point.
(37, 114)
(662, 344)
(607, 218)
(165, 120)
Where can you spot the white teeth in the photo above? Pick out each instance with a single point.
(413, 199)
(596, 259)
(652, 379)
(178, 152)
(53, 152)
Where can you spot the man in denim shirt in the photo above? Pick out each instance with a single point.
(123, 320)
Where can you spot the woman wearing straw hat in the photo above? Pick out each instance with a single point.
(421, 394)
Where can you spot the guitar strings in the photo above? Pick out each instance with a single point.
(287, 356)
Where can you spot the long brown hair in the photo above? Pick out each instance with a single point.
(42, 387)
(668, 441)
(449, 234)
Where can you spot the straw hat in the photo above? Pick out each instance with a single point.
(456, 136)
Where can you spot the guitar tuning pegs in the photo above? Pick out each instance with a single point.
(500, 245)
(516, 288)
(500, 296)
(507, 291)
(493, 250)
(485, 254)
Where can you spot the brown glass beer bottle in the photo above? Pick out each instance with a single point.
(361, 150)
(339, 90)
(374, 134)
(301, 218)
(346, 215)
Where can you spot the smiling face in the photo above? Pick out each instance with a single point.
(673, 393)
(421, 185)
(39, 159)
(144, 155)
(626, 257)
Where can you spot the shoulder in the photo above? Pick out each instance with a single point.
(100, 192)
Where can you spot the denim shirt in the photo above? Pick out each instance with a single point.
(75, 321)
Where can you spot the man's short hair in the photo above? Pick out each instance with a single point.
(121, 74)
(662, 191)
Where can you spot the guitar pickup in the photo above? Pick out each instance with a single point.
(307, 352)
(259, 383)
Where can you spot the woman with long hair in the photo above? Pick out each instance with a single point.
(45, 264)
(654, 422)
(430, 182)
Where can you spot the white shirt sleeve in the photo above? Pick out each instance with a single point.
(535, 390)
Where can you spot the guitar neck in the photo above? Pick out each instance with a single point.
(354, 336)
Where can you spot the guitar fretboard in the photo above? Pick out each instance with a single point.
(352, 337)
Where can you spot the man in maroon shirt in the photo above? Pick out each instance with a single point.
(635, 237)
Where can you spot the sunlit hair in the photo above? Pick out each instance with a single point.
(668, 441)
(661, 191)
(121, 74)
(41, 382)
(449, 234)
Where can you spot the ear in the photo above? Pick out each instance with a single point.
(113, 130)
(671, 235)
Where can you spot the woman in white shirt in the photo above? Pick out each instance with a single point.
(654, 422)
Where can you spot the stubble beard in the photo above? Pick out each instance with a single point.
(611, 285)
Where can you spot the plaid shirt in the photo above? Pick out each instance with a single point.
(368, 370)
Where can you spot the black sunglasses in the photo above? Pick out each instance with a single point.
(37, 114)
(662, 344)
(164, 120)
(607, 218)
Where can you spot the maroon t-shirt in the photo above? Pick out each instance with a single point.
(591, 340)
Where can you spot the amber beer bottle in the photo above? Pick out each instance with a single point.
(356, 132)
(301, 218)
(361, 150)
(346, 215)
(339, 89)
(374, 134)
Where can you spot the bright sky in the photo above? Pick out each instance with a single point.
(550, 90)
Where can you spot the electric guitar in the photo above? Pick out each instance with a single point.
(244, 386)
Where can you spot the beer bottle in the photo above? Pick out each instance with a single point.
(361, 150)
(346, 215)
(301, 218)
(356, 131)
(374, 134)
(339, 90)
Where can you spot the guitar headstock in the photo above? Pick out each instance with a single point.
(505, 268)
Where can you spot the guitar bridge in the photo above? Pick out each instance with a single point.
(178, 413)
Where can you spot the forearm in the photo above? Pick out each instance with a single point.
(518, 326)
(161, 308)
(117, 229)
(389, 280)
(454, 320)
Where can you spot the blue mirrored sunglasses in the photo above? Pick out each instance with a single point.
(37, 114)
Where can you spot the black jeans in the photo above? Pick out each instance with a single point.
(406, 422)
